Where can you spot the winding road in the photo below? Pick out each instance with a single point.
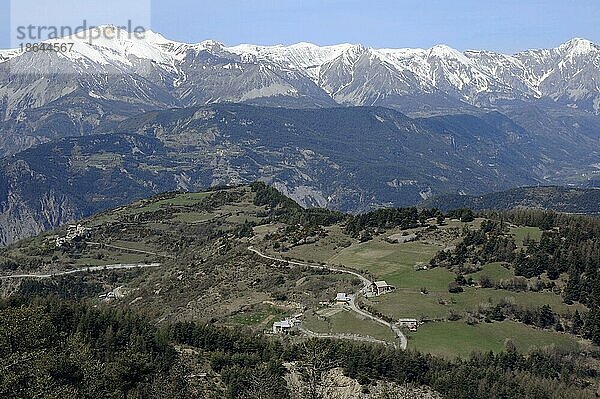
(352, 303)
(88, 269)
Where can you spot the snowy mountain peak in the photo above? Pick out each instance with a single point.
(301, 45)
(104, 32)
(578, 46)
(445, 51)
(211, 45)
(157, 38)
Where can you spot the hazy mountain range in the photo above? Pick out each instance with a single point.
(343, 126)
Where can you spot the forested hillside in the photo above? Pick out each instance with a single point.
(59, 349)
(559, 199)
(168, 298)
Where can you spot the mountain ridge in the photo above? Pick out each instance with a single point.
(559, 199)
(159, 73)
(47, 95)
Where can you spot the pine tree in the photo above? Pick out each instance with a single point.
(576, 323)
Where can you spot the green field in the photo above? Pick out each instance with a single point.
(395, 263)
(347, 322)
(258, 314)
(404, 303)
(324, 249)
(495, 271)
(521, 232)
(411, 303)
(452, 339)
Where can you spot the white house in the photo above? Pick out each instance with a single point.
(286, 326)
(342, 298)
(411, 324)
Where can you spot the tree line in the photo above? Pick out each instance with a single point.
(569, 246)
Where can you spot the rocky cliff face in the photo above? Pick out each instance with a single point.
(335, 385)
(20, 218)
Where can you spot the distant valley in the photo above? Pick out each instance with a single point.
(351, 158)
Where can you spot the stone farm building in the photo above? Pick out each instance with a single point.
(381, 287)
(286, 326)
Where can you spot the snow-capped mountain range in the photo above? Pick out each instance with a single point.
(163, 71)
(45, 95)
(121, 117)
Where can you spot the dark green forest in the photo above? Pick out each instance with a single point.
(53, 348)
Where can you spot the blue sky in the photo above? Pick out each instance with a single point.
(501, 25)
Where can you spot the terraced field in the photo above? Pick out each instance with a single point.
(346, 322)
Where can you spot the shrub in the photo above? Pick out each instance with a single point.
(454, 288)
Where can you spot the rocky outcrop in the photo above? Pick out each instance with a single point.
(21, 218)
(335, 385)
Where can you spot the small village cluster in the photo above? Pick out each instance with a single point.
(293, 324)
(73, 232)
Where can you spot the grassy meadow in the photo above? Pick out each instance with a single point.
(458, 339)
(400, 264)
